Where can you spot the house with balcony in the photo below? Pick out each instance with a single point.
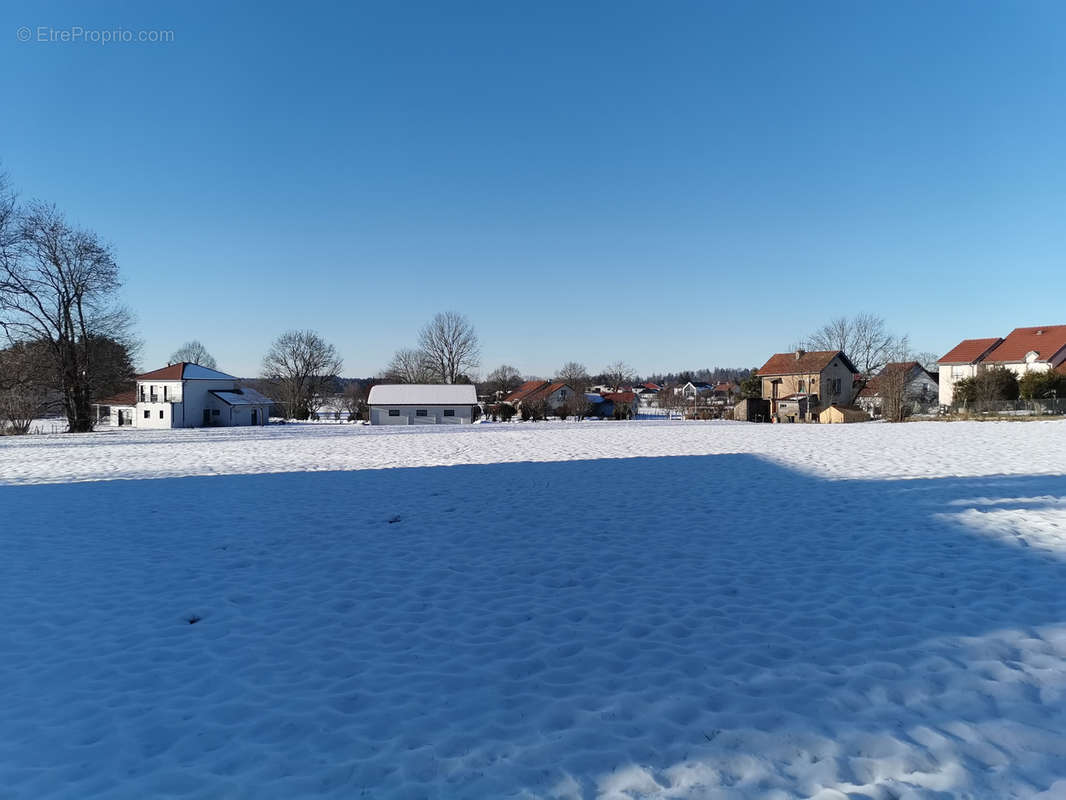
(188, 395)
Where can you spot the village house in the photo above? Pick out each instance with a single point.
(185, 395)
(800, 384)
(915, 387)
(1036, 349)
(962, 361)
(546, 396)
(422, 404)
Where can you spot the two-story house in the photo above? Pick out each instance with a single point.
(964, 360)
(801, 384)
(1036, 349)
(187, 395)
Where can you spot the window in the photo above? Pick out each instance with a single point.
(394, 412)
(142, 393)
(421, 412)
(801, 387)
(147, 414)
(449, 412)
(834, 386)
(214, 412)
(164, 394)
(161, 413)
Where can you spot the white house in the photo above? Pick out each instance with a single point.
(422, 404)
(187, 395)
(962, 361)
(1037, 349)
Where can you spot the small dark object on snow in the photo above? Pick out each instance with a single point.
(394, 519)
(193, 619)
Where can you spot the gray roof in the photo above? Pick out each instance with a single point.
(242, 397)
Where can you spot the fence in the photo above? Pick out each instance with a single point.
(1049, 406)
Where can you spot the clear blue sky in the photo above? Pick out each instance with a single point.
(676, 184)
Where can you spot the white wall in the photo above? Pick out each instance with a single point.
(188, 411)
(950, 374)
(379, 415)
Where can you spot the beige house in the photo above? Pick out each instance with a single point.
(800, 385)
(962, 361)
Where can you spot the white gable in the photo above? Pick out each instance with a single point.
(421, 394)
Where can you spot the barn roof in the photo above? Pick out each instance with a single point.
(422, 394)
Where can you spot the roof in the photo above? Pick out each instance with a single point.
(969, 351)
(652, 387)
(422, 394)
(1044, 340)
(545, 391)
(619, 397)
(848, 412)
(523, 391)
(122, 399)
(725, 386)
(801, 362)
(796, 396)
(242, 397)
(185, 371)
(873, 388)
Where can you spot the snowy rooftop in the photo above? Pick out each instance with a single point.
(424, 394)
(243, 397)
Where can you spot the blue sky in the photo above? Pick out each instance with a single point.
(675, 184)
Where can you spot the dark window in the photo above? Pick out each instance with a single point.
(164, 394)
(394, 412)
(421, 412)
(161, 413)
(147, 414)
(449, 412)
(214, 412)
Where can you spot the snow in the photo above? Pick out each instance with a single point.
(601, 610)
(413, 394)
(194, 372)
(242, 397)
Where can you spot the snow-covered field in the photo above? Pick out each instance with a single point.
(602, 610)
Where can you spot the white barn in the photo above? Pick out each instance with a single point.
(422, 404)
(187, 395)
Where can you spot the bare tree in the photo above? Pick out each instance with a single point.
(409, 366)
(300, 365)
(354, 400)
(450, 344)
(575, 375)
(864, 338)
(25, 386)
(502, 381)
(618, 375)
(194, 353)
(58, 286)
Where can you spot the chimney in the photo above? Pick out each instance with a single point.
(799, 354)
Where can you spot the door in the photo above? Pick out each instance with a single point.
(255, 416)
(207, 417)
